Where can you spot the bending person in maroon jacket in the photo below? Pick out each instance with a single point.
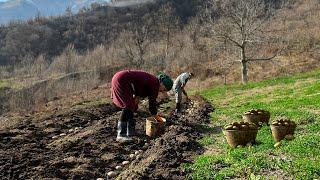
(127, 87)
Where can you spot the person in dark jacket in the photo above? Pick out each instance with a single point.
(127, 87)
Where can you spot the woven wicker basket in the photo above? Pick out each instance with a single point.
(240, 137)
(256, 118)
(279, 132)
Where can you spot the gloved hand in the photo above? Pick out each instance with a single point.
(136, 99)
(158, 118)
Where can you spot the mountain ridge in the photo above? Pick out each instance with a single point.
(26, 9)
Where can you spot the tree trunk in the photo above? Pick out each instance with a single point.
(225, 79)
(244, 72)
(244, 63)
(167, 42)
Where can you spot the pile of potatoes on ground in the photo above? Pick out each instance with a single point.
(257, 112)
(283, 122)
(242, 126)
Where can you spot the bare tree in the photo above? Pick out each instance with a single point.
(136, 41)
(241, 25)
(167, 23)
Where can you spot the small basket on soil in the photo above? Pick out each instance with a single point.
(154, 128)
(282, 127)
(256, 116)
(240, 133)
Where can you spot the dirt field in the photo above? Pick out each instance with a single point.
(80, 144)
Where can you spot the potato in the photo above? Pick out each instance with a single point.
(277, 144)
(228, 127)
(118, 168)
(235, 127)
(244, 127)
(132, 156)
(111, 174)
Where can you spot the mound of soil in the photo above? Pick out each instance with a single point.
(80, 144)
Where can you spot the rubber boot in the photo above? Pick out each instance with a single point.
(178, 107)
(131, 128)
(122, 132)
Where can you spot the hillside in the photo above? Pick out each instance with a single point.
(57, 119)
(22, 43)
(89, 28)
(40, 57)
(297, 98)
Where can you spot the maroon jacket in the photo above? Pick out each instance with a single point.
(127, 83)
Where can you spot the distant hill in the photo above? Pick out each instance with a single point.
(167, 31)
(85, 30)
(25, 9)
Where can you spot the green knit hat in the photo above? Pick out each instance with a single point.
(165, 80)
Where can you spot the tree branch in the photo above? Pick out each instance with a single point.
(262, 59)
(230, 39)
(265, 59)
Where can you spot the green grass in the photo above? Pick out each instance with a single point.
(11, 83)
(86, 104)
(4, 83)
(296, 97)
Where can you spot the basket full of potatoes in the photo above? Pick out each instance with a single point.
(257, 116)
(282, 128)
(240, 133)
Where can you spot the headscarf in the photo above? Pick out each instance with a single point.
(165, 80)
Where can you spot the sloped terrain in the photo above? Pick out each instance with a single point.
(294, 97)
(80, 144)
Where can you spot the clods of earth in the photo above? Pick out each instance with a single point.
(80, 144)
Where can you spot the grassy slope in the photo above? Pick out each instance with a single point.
(297, 98)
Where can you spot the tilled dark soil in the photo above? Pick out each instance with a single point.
(80, 144)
